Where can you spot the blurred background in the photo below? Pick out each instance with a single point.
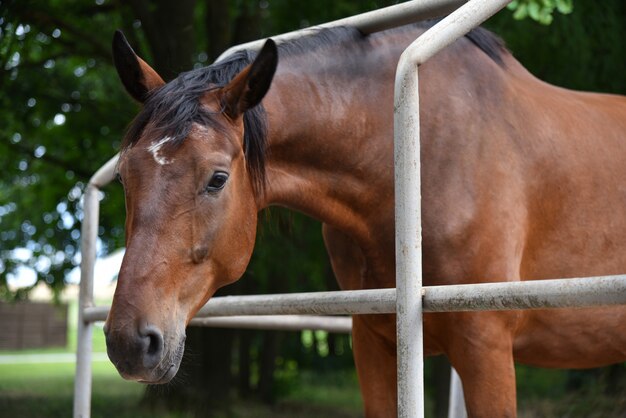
(62, 115)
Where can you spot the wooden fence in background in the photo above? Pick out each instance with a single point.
(32, 325)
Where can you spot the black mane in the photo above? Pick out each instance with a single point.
(489, 43)
(171, 109)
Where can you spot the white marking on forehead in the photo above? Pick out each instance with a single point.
(201, 129)
(156, 148)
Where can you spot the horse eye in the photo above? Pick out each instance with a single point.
(118, 176)
(217, 182)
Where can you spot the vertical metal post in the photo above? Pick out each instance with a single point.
(88, 238)
(408, 242)
(456, 405)
(408, 196)
(89, 234)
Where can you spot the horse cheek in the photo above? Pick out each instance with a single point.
(239, 250)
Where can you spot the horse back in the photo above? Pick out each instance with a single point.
(575, 180)
(522, 180)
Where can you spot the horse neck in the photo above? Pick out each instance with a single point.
(330, 143)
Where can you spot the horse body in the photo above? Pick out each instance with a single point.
(520, 181)
(525, 188)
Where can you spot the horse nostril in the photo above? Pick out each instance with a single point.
(156, 343)
(152, 339)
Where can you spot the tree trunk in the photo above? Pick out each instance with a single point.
(267, 365)
(245, 360)
(615, 378)
(218, 27)
(168, 26)
(247, 24)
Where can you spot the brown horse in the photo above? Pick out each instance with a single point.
(521, 181)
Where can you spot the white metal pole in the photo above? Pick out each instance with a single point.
(369, 22)
(342, 324)
(530, 294)
(456, 405)
(369, 301)
(449, 29)
(408, 242)
(408, 196)
(89, 228)
(89, 236)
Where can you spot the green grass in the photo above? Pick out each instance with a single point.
(543, 393)
(57, 380)
(333, 389)
(46, 390)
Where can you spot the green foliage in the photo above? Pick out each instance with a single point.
(64, 114)
(583, 50)
(539, 10)
(289, 255)
(61, 122)
(43, 390)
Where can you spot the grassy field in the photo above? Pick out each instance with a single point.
(544, 393)
(46, 389)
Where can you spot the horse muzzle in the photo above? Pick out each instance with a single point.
(143, 354)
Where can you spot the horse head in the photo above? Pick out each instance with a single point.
(191, 206)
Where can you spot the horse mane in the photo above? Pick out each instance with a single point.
(485, 40)
(171, 110)
(489, 43)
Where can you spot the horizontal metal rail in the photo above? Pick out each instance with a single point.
(370, 22)
(534, 294)
(279, 322)
(375, 301)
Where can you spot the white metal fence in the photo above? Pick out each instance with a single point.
(409, 299)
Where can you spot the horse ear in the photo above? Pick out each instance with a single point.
(137, 76)
(248, 87)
